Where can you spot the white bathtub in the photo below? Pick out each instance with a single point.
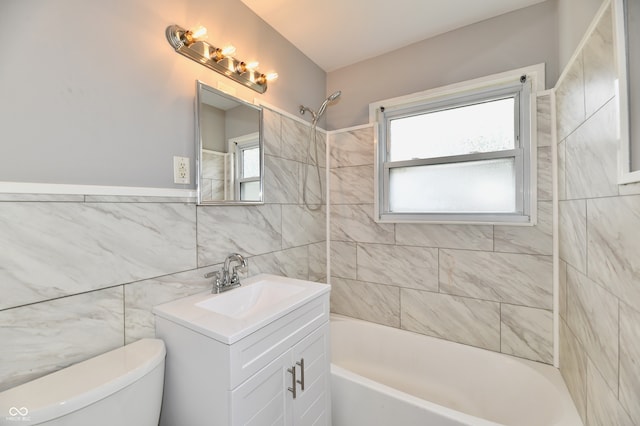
(387, 377)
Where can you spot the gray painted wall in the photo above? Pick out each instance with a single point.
(574, 17)
(93, 87)
(513, 40)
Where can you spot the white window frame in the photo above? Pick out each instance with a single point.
(237, 145)
(491, 87)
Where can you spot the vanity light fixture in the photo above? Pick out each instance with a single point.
(190, 43)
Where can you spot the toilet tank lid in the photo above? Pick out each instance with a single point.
(81, 384)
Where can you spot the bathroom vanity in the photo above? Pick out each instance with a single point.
(255, 355)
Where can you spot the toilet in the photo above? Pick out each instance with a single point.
(122, 387)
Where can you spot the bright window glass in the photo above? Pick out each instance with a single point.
(481, 127)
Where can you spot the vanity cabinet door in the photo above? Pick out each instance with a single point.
(312, 405)
(264, 399)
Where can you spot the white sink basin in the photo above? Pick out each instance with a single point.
(234, 314)
(250, 300)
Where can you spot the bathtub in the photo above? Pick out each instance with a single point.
(383, 376)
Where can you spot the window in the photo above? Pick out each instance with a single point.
(463, 157)
(247, 156)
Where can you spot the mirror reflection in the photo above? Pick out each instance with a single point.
(229, 148)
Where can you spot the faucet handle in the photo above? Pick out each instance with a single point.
(213, 274)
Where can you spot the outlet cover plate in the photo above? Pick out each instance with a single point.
(181, 172)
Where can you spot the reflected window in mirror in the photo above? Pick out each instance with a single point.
(229, 148)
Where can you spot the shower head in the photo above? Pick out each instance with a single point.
(331, 98)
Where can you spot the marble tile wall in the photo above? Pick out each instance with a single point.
(599, 232)
(79, 275)
(481, 285)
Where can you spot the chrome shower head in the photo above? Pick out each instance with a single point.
(331, 98)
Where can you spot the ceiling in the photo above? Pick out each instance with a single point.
(337, 33)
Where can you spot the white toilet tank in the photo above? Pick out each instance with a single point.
(122, 387)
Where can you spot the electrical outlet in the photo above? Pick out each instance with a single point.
(181, 173)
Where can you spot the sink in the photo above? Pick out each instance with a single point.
(234, 314)
(249, 300)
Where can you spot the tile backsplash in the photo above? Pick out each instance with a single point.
(80, 274)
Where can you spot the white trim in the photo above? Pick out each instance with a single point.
(352, 128)
(67, 189)
(556, 228)
(282, 112)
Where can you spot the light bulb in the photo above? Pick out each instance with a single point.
(199, 33)
(252, 65)
(272, 76)
(228, 50)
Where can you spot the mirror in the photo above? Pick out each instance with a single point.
(228, 148)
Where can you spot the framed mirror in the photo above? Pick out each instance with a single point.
(229, 148)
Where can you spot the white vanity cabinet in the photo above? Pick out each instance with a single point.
(247, 377)
(267, 398)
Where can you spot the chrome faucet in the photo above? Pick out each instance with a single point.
(225, 281)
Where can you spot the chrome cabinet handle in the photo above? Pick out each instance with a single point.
(292, 370)
(301, 381)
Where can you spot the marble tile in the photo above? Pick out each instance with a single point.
(545, 174)
(519, 279)
(543, 111)
(630, 360)
(351, 222)
(603, 407)
(248, 230)
(316, 189)
(272, 132)
(573, 367)
(570, 109)
(318, 262)
(352, 148)
(352, 185)
(402, 266)
(213, 165)
(292, 263)
(562, 289)
(321, 140)
(343, 259)
(371, 302)
(295, 139)
(44, 337)
(526, 332)
(562, 171)
(280, 180)
(599, 65)
(459, 319)
(206, 189)
(42, 197)
(140, 298)
(591, 156)
(592, 315)
(301, 226)
(613, 245)
(58, 249)
(536, 239)
(572, 231)
(472, 237)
